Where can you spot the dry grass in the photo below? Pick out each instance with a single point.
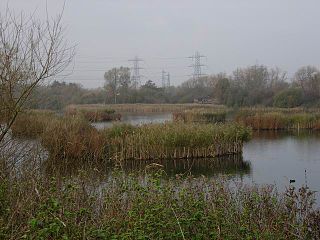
(93, 114)
(147, 108)
(73, 138)
(31, 124)
(201, 116)
(176, 140)
(278, 120)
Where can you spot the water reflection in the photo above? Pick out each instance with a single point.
(277, 157)
(275, 135)
(232, 165)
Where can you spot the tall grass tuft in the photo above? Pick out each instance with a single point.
(31, 124)
(93, 114)
(200, 116)
(278, 120)
(73, 139)
(175, 140)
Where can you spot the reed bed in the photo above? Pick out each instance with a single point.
(147, 108)
(176, 141)
(69, 139)
(277, 120)
(73, 140)
(295, 110)
(31, 124)
(201, 116)
(93, 114)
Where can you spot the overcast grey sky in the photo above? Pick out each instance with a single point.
(231, 33)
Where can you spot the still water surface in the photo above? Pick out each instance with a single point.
(269, 158)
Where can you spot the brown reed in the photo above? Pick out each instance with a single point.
(177, 141)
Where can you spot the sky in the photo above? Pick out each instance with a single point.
(164, 33)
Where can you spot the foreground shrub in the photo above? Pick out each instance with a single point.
(127, 207)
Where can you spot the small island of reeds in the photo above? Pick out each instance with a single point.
(201, 116)
(176, 140)
(278, 119)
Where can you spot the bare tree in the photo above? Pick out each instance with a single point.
(31, 51)
(308, 78)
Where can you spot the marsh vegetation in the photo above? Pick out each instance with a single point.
(63, 178)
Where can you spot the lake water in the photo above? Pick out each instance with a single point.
(277, 157)
(137, 119)
(269, 158)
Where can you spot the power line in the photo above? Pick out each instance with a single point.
(197, 65)
(136, 77)
(163, 79)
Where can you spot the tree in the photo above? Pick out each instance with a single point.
(117, 82)
(288, 98)
(31, 51)
(255, 85)
(308, 78)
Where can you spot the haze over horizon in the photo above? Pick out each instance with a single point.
(164, 33)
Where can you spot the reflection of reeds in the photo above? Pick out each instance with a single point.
(174, 140)
(277, 120)
(200, 116)
(231, 165)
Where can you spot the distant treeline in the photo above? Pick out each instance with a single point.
(250, 86)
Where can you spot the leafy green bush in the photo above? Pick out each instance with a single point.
(288, 98)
